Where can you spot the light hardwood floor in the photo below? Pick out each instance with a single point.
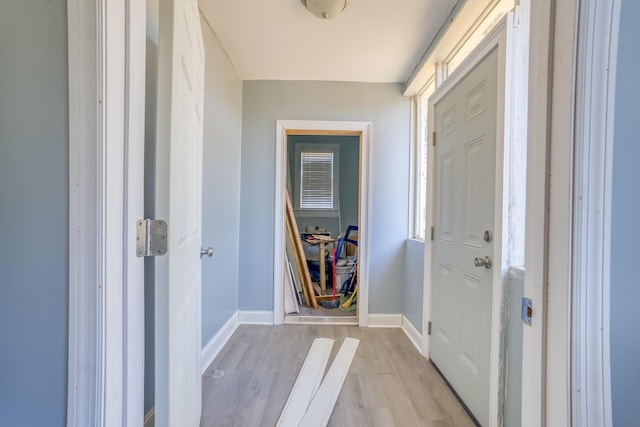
(389, 382)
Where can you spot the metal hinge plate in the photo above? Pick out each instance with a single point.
(429, 328)
(433, 233)
(151, 237)
(433, 138)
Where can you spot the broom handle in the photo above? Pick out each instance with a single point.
(334, 273)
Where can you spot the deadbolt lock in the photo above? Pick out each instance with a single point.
(488, 236)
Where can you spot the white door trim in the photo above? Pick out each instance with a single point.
(134, 165)
(364, 128)
(593, 152)
(85, 394)
(536, 227)
(497, 39)
(105, 384)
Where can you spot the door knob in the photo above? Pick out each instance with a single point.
(208, 252)
(483, 262)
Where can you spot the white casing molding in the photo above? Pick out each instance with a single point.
(309, 379)
(598, 30)
(86, 263)
(536, 227)
(310, 126)
(321, 406)
(133, 171)
(106, 105)
(112, 170)
(217, 342)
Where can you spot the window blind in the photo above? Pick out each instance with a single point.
(316, 180)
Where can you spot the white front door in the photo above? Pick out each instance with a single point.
(465, 126)
(178, 399)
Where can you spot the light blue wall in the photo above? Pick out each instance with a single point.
(264, 102)
(221, 187)
(515, 292)
(34, 200)
(625, 228)
(413, 282)
(349, 180)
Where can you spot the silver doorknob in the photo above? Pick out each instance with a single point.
(483, 262)
(208, 252)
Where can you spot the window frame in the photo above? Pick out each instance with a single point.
(419, 162)
(317, 148)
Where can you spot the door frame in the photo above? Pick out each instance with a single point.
(496, 39)
(595, 87)
(315, 127)
(106, 146)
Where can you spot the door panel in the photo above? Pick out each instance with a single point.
(179, 201)
(474, 201)
(475, 102)
(464, 209)
(447, 168)
(470, 331)
(444, 331)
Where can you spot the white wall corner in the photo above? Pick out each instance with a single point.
(215, 344)
(385, 320)
(412, 333)
(255, 317)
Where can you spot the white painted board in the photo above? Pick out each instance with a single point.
(307, 383)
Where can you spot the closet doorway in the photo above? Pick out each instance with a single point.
(321, 205)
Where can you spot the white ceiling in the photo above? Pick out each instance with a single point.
(370, 41)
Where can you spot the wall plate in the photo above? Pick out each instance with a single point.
(527, 311)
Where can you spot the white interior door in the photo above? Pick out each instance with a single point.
(465, 125)
(179, 201)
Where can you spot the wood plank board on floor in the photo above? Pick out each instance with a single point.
(321, 407)
(298, 252)
(307, 383)
(294, 268)
(290, 292)
(261, 363)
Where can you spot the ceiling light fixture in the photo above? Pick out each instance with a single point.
(325, 9)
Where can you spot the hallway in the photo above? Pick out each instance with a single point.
(389, 383)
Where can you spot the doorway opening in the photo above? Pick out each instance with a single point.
(323, 173)
(321, 205)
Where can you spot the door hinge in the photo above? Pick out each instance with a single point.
(433, 138)
(151, 237)
(433, 233)
(429, 328)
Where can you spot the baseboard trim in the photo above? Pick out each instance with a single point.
(213, 347)
(412, 333)
(150, 418)
(385, 320)
(255, 317)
